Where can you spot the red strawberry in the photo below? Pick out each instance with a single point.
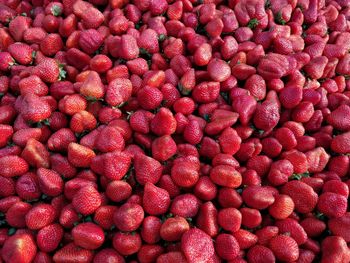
(72, 253)
(163, 148)
(104, 216)
(338, 119)
(50, 182)
(228, 197)
(113, 165)
(6, 132)
(245, 238)
(80, 156)
(12, 165)
(92, 87)
(36, 154)
(118, 191)
(61, 165)
(108, 255)
(18, 26)
(149, 97)
(40, 216)
(68, 216)
(284, 247)
(251, 218)
(205, 189)
(19, 248)
(313, 227)
(127, 243)
(60, 140)
(147, 169)
(27, 187)
(282, 208)
(51, 44)
(260, 253)
(15, 215)
(21, 52)
(258, 197)
(33, 84)
(82, 121)
(229, 141)
(71, 104)
(6, 61)
(88, 235)
(128, 217)
(173, 228)
(7, 202)
(49, 237)
(34, 108)
(317, 159)
(148, 41)
(298, 160)
(184, 174)
(292, 228)
(8, 186)
(90, 40)
(332, 204)
(109, 140)
(226, 246)
(304, 197)
(341, 143)
(156, 200)
(173, 256)
(230, 219)
(100, 63)
(334, 249)
(118, 91)
(340, 226)
(192, 244)
(150, 229)
(49, 70)
(225, 175)
(86, 200)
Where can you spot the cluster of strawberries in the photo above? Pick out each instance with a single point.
(174, 131)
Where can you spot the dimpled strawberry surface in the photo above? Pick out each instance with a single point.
(174, 131)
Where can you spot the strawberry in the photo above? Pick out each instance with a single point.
(230, 219)
(313, 226)
(86, 200)
(71, 104)
(260, 253)
(82, 121)
(150, 229)
(6, 132)
(108, 255)
(8, 188)
(77, 58)
(251, 218)
(90, 40)
(284, 247)
(40, 216)
(258, 197)
(334, 249)
(229, 141)
(18, 26)
(128, 217)
(92, 87)
(49, 237)
(332, 204)
(282, 207)
(34, 108)
(339, 226)
(49, 70)
(118, 91)
(156, 201)
(19, 248)
(304, 197)
(173, 256)
(50, 182)
(15, 215)
(7, 202)
(113, 165)
(60, 140)
(192, 244)
(6, 61)
(226, 246)
(127, 243)
(147, 169)
(149, 97)
(163, 148)
(184, 174)
(71, 252)
(163, 122)
(22, 53)
(205, 189)
(298, 160)
(341, 143)
(100, 63)
(88, 235)
(109, 140)
(118, 191)
(36, 154)
(12, 165)
(51, 44)
(173, 228)
(68, 216)
(226, 176)
(104, 216)
(33, 84)
(61, 165)
(245, 238)
(293, 228)
(27, 187)
(148, 41)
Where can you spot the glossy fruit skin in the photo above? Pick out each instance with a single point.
(15, 246)
(88, 236)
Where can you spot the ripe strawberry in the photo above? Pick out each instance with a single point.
(226, 176)
(341, 143)
(149, 97)
(230, 219)
(88, 235)
(147, 169)
(192, 244)
(71, 253)
(6, 132)
(205, 189)
(60, 140)
(163, 148)
(19, 248)
(90, 40)
(260, 253)
(127, 243)
(173, 228)
(40, 216)
(109, 140)
(148, 41)
(317, 159)
(226, 246)
(251, 218)
(6, 61)
(334, 249)
(113, 165)
(338, 119)
(7, 202)
(184, 174)
(80, 156)
(18, 26)
(129, 217)
(118, 91)
(104, 216)
(61, 165)
(298, 160)
(34, 108)
(156, 200)
(332, 204)
(21, 52)
(339, 226)
(173, 256)
(92, 87)
(36, 154)
(150, 229)
(292, 228)
(15, 215)
(118, 191)
(8, 186)
(51, 44)
(282, 208)
(101, 63)
(86, 200)
(284, 247)
(313, 226)
(50, 182)
(108, 255)
(72, 103)
(12, 165)
(49, 237)
(82, 121)
(33, 84)
(258, 197)
(68, 216)
(27, 187)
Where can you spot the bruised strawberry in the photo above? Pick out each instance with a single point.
(156, 201)
(19, 248)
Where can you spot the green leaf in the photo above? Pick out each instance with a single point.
(56, 10)
(162, 37)
(62, 74)
(253, 23)
(299, 176)
(11, 231)
(279, 19)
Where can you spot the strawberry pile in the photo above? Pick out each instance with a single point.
(174, 131)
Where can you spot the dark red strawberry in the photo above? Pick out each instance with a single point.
(49, 237)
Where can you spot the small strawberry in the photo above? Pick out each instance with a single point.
(118, 191)
(163, 148)
(92, 87)
(15, 215)
(226, 246)
(230, 219)
(87, 200)
(104, 216)
(50, 182)
(61, 165)
(147, 169)
(88, 235)
(109, 140)
(108, 255)
(245, 238)
(51, 44)
(101, 63)
(49, 237)
(71, 253)
(282, 208)
(156, 201)
(128, 217)
(184, 174)
(19, 248)
(118, 91)
(36, 154)
(192, 244)
(251, 218)
(148, 41)
(127, 243)
(12, 165)
(40, 216)
(68, 216)
(173, 228)
(77, 58)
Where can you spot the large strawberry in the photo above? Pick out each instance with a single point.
(12, 165)
(147, 169)
(49, 237)
(87, 200)
(36, 154)
(72, 253)
(19, 248)
(156, 201)
(21, 52)
(129, 217)
(92, 87)
(34, 108)
(88, 235)
(49, 70)
(40, 216)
